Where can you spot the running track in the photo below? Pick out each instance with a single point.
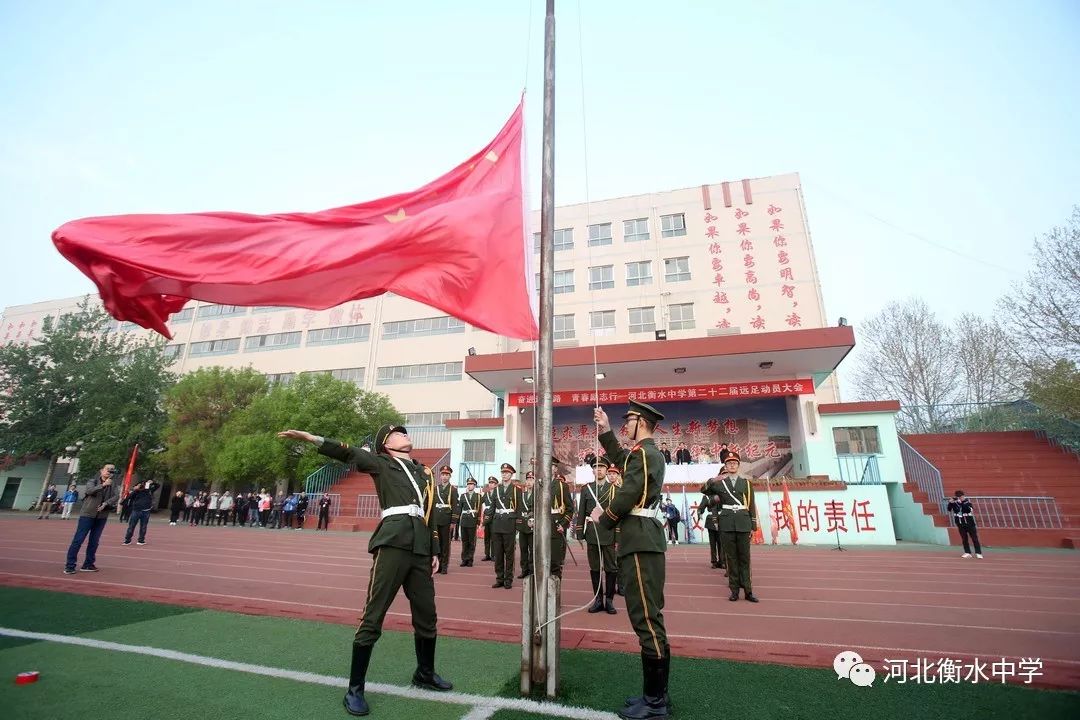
(883, 603)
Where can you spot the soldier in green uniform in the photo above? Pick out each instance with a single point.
(635, 511)
(712, 526)
(405, 551)
(526, 508)
(562, 504)
(466, 517)
(489, 516)
(446, 502)
(734, 496)
(600, 541)
(614, 476)
(503, 527)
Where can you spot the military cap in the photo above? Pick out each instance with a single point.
(733, 455)
(446, 469)
(507, 466)
(724, 454)
(612, 468)
(471, 481)
(600, 462)
(640, 409)
(530, 474)
(492, 480)
(384, 432)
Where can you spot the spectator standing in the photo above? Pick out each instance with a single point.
(100, 499)
(70, 498)
(47, 499)
(176, 506)
(140, 501)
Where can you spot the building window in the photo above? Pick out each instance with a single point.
(600, 234)
(276, 341)
(635, 230)
(563, 281)
(443, 325)
(353, 375)
(214, 347)
(280, 378)
(267, 308)
(478, 414)
(183, 316)
(338, 335)
(172, 352)
(564, 240)
(856, 440)
(642, 319)
(681, 316)
(478, 451)
(602, 322)
(562, 327)
(428, 418)
(602, 277)
(431, 372)
(677, 269)
(638, 273)
(219, 311)
(672, 225)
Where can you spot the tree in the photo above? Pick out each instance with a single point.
(198, 407)
(984, 357)
(82, 382)
(251, 452)
(1056, 387)
(907, 356)
(1043, 311)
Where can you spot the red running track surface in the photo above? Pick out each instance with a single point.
(815, 602)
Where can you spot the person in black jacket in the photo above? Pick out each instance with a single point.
(682, 455)
(301, 510)
(961, 510)
(324, 512)
(140, 500)
(666, 453)
(176, 506)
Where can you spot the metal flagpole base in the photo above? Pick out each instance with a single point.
(838, 541)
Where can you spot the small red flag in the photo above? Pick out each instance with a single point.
(130, 469)
(458, 244)
(789, 515)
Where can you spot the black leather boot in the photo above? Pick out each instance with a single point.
(425, 676)
(598, 600)
(653, 705)
(666, 665)
(354, 700)
(609, 593)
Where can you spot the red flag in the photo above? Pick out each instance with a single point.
(789, 515)
(458, 244)
(130, 470)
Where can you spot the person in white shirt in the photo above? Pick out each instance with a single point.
(225, 507)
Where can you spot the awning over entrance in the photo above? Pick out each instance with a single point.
(727, 359)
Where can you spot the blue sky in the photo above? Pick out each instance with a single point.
(956, 124)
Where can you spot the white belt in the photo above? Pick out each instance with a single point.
(470, 512)
(644, 512)
(556, 512)
(734, 507)
(503, 512)
(413, 510)
(441, 505)
(526, 514)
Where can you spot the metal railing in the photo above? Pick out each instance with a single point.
(922, 472)
(367, 506)
(313, 505)
(859, 468)
(426, 437)
(1013, 512)
(320, 481)
(990, 417)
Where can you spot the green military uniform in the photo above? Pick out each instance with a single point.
(712, 526)
(445, 508)
(489, 516)
(526, 509)
(503, 530)
(599, 541)
(734, 496)
(642, 563)
(466, 517)
(402, 546)
(561, 511)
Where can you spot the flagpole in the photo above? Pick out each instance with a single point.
(540, 660)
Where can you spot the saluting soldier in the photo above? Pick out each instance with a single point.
(525, 522)
(733, 495)
(599, 541)
(488, 517)
(712, 525)
(466, 517)
(635, 511)
(503, 527)
(405, 549)
(446, 502)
